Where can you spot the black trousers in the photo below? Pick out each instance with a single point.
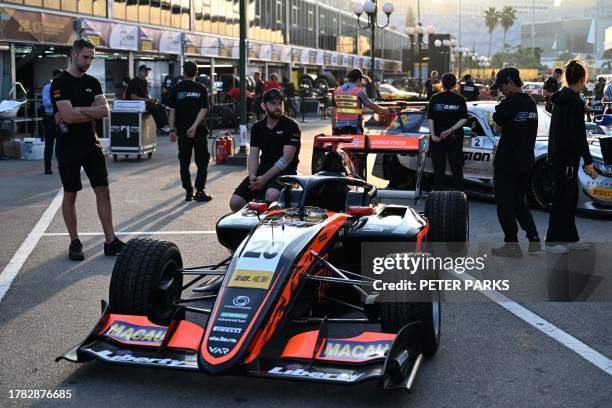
(510, 190)
(50, 134)
(159, 114)
(199, 146)
(562, 221)
(451, 147)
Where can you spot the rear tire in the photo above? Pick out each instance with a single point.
(448, 214)
(142, 270)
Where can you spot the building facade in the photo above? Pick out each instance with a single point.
(287, 36)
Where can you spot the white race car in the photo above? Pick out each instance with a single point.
(479, 151)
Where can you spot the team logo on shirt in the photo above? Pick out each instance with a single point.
(524, 116)
(183, 95)
(442, 106)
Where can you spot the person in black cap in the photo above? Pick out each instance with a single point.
(138, 90)
(447, 113)
(348, 101)
(188, 104)
(274, 151)
(516, 117)
(468, 89)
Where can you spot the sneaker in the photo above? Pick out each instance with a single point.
(201, 196)
(189, 196)
(508, 250)
(555, 249)
(75, 250)
(165, 130)
(579, 246)
(114, 247)
(534, 245)
(48, 171)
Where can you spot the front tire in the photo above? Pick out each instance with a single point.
(448, 215)
(395, 315)
(144, 281)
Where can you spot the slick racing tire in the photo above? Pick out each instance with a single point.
(448, 215)
(395, 315)
(541, 185)
(144, 281)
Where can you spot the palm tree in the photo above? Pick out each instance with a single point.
(507, 17)
(491, 17)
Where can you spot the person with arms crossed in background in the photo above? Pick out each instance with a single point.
(78, 102)
(516, 118)
(274, 151)
(188, 106)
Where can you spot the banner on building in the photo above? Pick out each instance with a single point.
(320, 59)
(149, 39)
(193, 44)
(20, 25)
(58, 29)
(171, 42)
(97, 31)
(209, 46)
(124, 37)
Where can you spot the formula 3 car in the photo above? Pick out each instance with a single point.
(479, 147)
(291, 301)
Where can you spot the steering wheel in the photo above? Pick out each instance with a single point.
(308, 183)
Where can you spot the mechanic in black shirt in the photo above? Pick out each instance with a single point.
(432, 84)
(188, 104)
(138, 90)
(78, 101)
(468, 89)
(447, 113)
(274, 151)
(552, 85)
(567, 144)
(516, 117)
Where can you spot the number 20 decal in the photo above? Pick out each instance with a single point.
(269, 250)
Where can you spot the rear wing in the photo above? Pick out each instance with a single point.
(362, 145)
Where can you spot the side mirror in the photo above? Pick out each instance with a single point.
(467, 131)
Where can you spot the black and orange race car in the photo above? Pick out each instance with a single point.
(291, 302)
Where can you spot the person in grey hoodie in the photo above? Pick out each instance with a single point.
(567, 144)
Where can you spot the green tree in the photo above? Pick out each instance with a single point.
(507, 18)
(521, 57)
(491, 17)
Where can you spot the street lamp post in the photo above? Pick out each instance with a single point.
(419, 31)
(371, 9)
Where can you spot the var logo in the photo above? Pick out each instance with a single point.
(218, 350)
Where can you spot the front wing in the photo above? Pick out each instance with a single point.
(390, 359)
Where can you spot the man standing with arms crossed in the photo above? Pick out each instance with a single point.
(188, 106)
(78, 102)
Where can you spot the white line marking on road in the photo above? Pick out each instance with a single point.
(11, 270)
(592, 356)
(95, 234)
